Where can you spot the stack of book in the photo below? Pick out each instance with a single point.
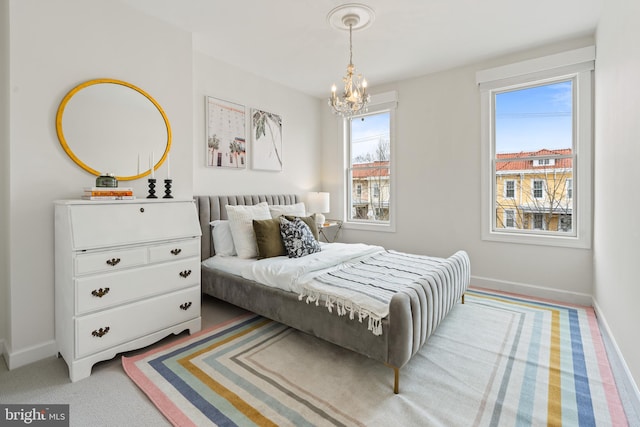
(108, 193)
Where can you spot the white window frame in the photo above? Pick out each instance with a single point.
(542, 188)
(578, 65)
(375, 191)
(506, 196)
(569, 188)
(545, 162)
(387, 101)
(534, 217)
(510, 213)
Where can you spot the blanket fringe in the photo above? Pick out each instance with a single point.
(375, 325)
(344, 307)
(311, 297)
(329, 304)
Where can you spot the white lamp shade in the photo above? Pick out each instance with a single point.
(317, 203)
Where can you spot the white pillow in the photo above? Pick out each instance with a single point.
(241, 222)
(293, 210)
(222, 238)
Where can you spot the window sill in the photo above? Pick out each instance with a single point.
(385, 228)
(537, 239)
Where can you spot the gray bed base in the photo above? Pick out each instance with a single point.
(412, 316)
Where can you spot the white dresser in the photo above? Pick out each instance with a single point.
(127, 274)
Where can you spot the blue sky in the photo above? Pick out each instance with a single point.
(366, 133)
(534, 118)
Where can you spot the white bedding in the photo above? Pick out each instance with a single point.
(355, 279)
(228, 264)
(287, 273)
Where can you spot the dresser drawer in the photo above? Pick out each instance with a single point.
(115, 224)
(102, 291)
(177, 250)
(110, 260)
(100, 331)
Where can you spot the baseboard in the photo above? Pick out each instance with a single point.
(29, 355)
(5, 352)
(533, 291)
(618, 364)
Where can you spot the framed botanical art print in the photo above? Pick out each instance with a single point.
(266, 135)
(225, 134)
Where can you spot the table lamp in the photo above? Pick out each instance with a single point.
(318, 203)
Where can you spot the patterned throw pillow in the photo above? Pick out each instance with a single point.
(297, 238)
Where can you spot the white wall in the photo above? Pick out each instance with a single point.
(438, 188)
(53, 47)
(4, 171)
(301, 132)
(617, 201)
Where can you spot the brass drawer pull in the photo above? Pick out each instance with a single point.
(113, 261)
(176, 251)
(100, 292)
(185, 273)
(185, 306)
(100, 332)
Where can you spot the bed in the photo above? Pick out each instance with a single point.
(413, 313)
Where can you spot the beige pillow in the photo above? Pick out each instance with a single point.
(297, 209)
(241, 221)
(268, 238)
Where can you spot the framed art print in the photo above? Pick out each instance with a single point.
(225, 134)
(266, 135)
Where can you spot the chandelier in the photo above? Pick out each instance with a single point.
(354, 98)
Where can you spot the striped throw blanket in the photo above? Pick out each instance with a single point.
(363, 289)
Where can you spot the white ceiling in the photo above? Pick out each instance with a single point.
(291, 42)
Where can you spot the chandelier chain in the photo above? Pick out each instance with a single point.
(350, 44)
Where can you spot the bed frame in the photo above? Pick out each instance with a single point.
(413, 316)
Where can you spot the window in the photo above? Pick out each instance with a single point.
(370, 137)
(538, 189)
(369, 163)
(376, 191)
(538, 221)
(545, 162)
(510, 218)
(536, 118)
(510, 189)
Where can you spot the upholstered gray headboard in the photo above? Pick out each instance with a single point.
(211, 208)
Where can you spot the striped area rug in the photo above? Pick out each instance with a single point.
(497, 360)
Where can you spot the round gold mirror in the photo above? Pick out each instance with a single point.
(111, 126)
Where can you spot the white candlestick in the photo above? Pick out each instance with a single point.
(168, 166)
(151, 166)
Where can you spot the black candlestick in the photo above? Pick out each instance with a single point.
(152, 189)
(167, 189)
